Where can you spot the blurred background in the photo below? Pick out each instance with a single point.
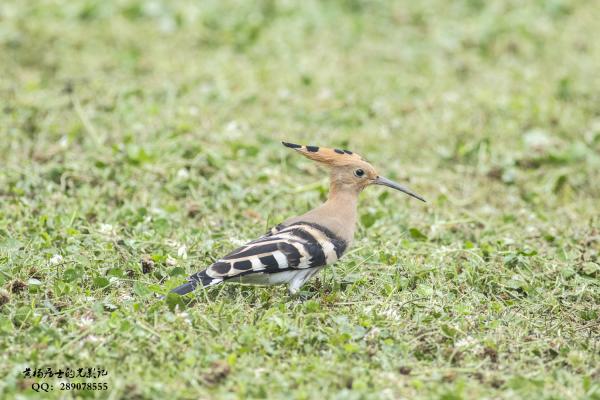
(491, 91)
(487, 105)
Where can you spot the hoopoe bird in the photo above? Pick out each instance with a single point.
(298, 248)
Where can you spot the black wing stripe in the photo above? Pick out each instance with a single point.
(246, 249)
(199, 278)
(221, 268)
(282, 248)
(311, 250)
(312, 247)
(268, 260)
(338, 243)
(291, 253)
(329, 242)
(272, 231)
(279, 236)
(244, 265)
(253, 251)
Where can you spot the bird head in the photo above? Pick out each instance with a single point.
(349, 171)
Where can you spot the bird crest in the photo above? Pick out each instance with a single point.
(333, 157)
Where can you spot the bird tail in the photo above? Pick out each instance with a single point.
(198, 279)
(185, 288)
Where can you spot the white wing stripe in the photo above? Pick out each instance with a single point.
(328, 247)
(281, 259)
(256, 264)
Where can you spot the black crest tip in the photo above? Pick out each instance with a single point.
(291, 145)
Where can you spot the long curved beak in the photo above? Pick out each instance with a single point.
(380, 180)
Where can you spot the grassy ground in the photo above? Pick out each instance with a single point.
(139, 140)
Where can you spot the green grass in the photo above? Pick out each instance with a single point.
(145, 130)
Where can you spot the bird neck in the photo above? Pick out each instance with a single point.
(340, 196)
(338, 213)
(341, 210)
(342, 205)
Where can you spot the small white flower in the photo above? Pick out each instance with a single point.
(85, 321)
(284, 94)
(105, 228)
(64, 142)
(451, 97)
(183, 173)
(379, 106)
(185, 316)
(206, 88)
(232, 126)
(167, 24)
(372, 334)
(171, 261)
(182, 251)
(139, 127)
(395, 123)
(466, 342)
(194, 111)
(392, 314)
(56, 259)
(489, 210)
(94, 339)
(238, 242)
(325, 94)
(509, 241)
(173, 243)
(537, 140)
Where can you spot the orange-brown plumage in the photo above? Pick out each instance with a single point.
(299, 247)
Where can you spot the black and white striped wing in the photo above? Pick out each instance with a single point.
(294, 247)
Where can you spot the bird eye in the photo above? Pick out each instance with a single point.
(359, 172)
